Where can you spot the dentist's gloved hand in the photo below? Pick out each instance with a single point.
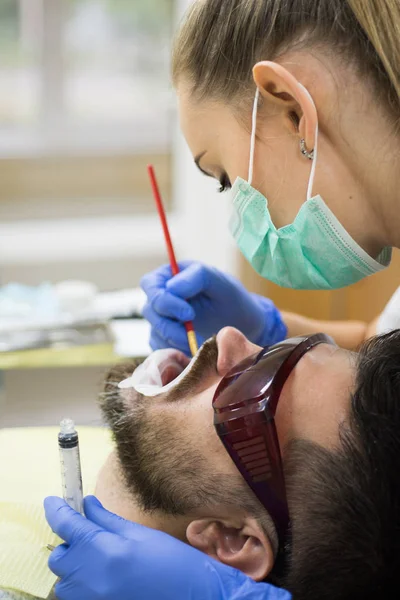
(212, 300)
(108, 558)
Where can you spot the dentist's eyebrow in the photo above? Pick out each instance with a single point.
(197, 163)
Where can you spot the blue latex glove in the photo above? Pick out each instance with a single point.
(216, 301)
(109, 558)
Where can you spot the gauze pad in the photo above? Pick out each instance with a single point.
(148, 377)
(30, 473)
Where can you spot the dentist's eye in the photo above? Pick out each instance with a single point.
(225, 184)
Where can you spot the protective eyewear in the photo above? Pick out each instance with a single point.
(244, 405)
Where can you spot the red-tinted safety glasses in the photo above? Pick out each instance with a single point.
(244, 409)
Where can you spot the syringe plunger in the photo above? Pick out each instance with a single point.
(67, 426)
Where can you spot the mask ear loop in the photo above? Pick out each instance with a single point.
(314, 162)
(253, 136)
(313, 167)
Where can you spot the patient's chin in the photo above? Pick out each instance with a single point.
(114, 496)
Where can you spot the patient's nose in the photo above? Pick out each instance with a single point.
(233, 347)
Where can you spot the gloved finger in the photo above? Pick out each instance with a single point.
(168, 305)
(194, 280)
(172, 332)
(156, 280)
(113, 523)
(61, 590)
(71, 589)
(66, 522)
(56, 558)
(66, 590)
(158, 343)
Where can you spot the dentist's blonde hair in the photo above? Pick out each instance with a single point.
(220, 41)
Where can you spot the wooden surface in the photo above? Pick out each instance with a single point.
(83, 178)
(363, 301)
(101, 355)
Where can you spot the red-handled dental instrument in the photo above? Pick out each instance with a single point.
(191, 335)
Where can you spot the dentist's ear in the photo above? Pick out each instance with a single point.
(281, 89)
(245, 548)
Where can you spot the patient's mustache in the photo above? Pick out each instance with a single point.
(205, 365)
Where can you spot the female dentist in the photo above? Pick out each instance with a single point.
(314, 129)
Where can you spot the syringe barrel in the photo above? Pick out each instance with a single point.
(71, 475)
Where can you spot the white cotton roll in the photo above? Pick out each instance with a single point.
(147, 378)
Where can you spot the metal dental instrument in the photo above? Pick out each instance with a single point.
(70, 463)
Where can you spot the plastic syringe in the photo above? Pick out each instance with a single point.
(70, 464)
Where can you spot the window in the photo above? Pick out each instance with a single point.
(85, 103)
(18, 75)
(79, 75)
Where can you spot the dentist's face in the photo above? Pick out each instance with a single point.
(218, 135)
(220, 144)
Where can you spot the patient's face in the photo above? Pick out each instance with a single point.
(170, 454)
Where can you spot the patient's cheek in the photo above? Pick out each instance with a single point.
(284, 417)
(200, 431)
(315, 399)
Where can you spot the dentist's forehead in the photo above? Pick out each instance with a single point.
(208, 125)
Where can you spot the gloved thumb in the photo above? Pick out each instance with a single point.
(96, 513)
(66, 522)
(192, 281)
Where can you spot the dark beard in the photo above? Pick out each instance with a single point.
(161, 469)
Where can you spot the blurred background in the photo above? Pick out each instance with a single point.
(85, 104)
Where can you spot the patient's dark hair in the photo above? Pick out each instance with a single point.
(346, 513)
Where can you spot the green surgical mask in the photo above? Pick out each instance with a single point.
(314, 252)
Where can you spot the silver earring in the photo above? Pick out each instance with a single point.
(305, 152)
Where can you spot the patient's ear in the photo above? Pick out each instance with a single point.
(245, 547)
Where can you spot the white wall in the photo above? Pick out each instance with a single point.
(199, 225)
(203, 215)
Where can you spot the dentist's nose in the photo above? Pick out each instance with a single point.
(233, 347)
